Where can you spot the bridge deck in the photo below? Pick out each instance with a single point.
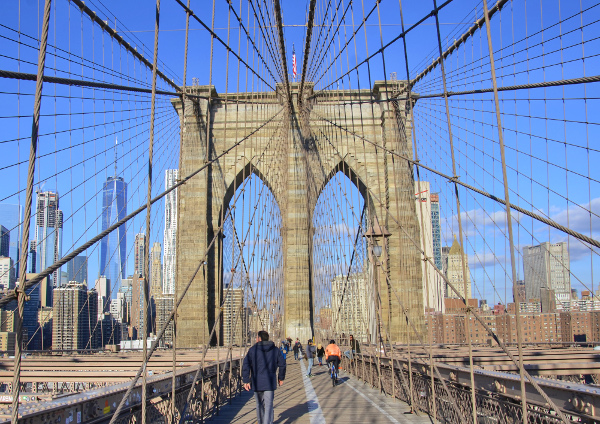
(314, 400)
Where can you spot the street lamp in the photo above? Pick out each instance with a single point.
(377, 250)
(373, 234)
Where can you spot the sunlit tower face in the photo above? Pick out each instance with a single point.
(113, 247)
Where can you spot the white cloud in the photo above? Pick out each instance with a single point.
(580, 218)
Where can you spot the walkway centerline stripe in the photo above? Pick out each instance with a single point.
(314, 409)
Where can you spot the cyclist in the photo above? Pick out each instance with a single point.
(333, 354)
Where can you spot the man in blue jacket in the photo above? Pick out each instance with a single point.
(260, 369)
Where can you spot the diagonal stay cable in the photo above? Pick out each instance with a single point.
(331, 40)
(271, 53)
(470, 32)
(381, 49)
(282, 50)
(472, 310)
(533, 215)
(106, 27)
(309, 30)
(229, 49)
(11, 295)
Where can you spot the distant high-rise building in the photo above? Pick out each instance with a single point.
(74, 315)
(164, 306)
(102, 287)
(107, 331)
(32, 257)
(64, 278)
(118, 307)
(454, 272)
(11, 217)
(156, 286)
(4, 241)
(352, 306)
(49, 224)
(77, 269)
(520, 295)
(433, 289)
(30, 313)
(170, 234)
(436, 230)
(7, 273)
(127, 290)
(45, 325)
(138, 318)
(113, 247)
(445, 251)
(547, 265)
(138, 254)
(233, 316)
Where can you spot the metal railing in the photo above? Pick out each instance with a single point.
(497, 394)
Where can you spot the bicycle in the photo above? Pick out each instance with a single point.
(333, 373)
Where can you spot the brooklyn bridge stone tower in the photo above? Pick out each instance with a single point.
(313, 150)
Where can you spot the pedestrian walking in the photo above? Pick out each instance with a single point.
(259, 372)
(296, 348)
(311, 351)
(320, 353)
(284, 350)
(354, 348)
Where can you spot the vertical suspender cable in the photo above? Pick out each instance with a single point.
(21, 295)
(148, 212)
(414, 139)
(181, 128)
(508, 212)
(460, 229)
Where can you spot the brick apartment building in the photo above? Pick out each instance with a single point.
(557, 327)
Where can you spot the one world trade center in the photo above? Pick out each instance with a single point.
(113, 247)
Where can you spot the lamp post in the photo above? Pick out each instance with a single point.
(373, 234)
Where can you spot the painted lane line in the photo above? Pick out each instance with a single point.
(314, 409)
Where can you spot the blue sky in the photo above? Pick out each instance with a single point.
(551, 145)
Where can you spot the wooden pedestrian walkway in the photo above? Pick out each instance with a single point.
(314, 401)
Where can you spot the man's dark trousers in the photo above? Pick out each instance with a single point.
(264, 406)
(263, 368)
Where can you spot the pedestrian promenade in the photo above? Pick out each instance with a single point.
(314, 401)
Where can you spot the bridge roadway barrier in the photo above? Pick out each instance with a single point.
(539, 360)
(498, 393)
(69, 373)
(219, 381)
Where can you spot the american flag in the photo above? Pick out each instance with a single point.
(294, 70)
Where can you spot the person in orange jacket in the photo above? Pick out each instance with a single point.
(333, 354)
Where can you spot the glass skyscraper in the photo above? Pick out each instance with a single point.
(11, 217)
(77, 269)
(170, 235)
(113, 247)
(49, 224)
(436, 230)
